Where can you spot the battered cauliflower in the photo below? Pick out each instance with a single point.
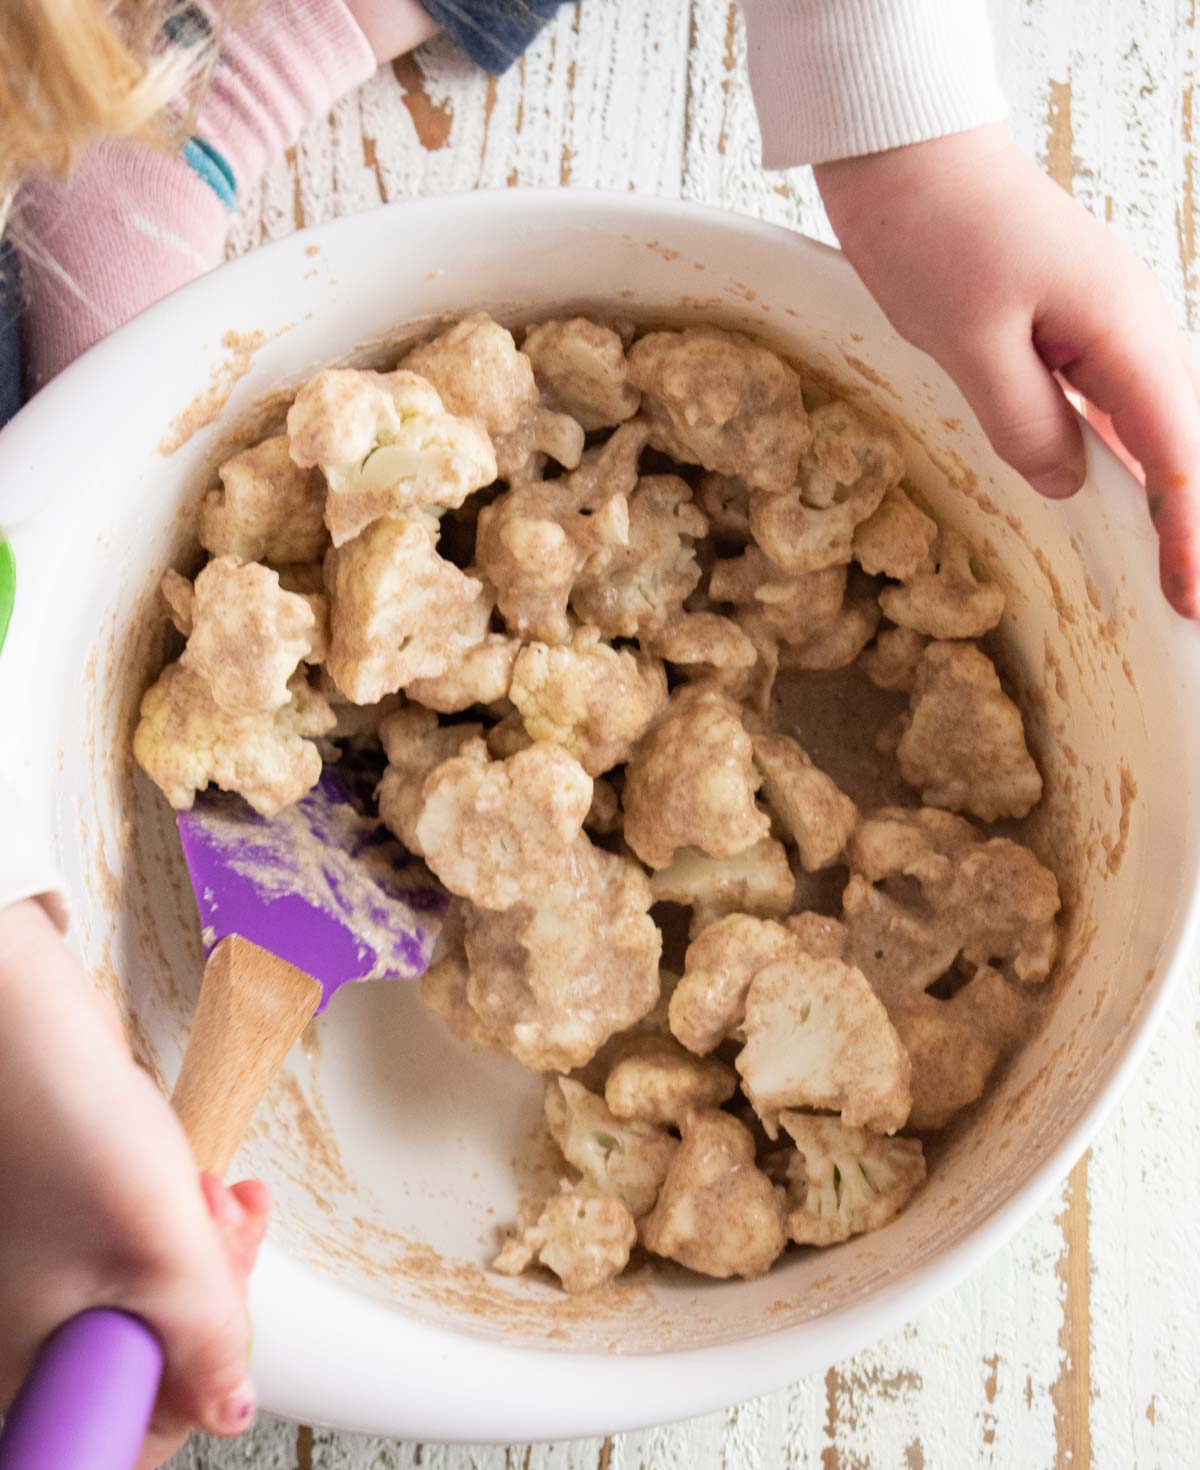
(840, 641)
(963, 746)
(398, 611)
(945, 599)
(818, 935)
(415, 745)
(480, 675)
(645, 583)
(756, 881)
(663, 1083)
(247, 636)
(554, 980)
(185, 741)
(892, 661)
(806, 803)
(584, 1239)
(719, 400)
(691, 782)
(543, 435)
(535, 540)
(725, 501)
(845, 1181)
(589, 698)
(497, 832)
(709, 1003)
(176, 591)
(896, 539)
(508, 736)
(604, 814)
(791, 607)
(477, 370)
(625, 1157)
(581, 368)
(703, 644)
(268, 509)
(817, 1036)
(444, 985)
(716, 1212)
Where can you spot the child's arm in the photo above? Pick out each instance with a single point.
(973, 253)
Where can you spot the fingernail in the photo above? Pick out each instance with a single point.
(236, 1411)
(1058, 483)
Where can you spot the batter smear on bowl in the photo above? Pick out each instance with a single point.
(682, 699)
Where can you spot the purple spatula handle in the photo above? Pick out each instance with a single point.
(87, 1400)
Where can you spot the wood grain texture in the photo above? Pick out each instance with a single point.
(1077, 1345)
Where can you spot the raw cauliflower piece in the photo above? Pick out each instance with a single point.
(663, 1083)
(844, 476)
(587, 697)
(247, 636)
(791, 607)
(963, 746)
(185, 741)
(840, 641)
(415, 745)
(691, 782)
(387, 447)
(444, 985)
(955, 1044)
(817, 1036)
(725, 501)
(757, 881)
(480, 675)
(584, 1239)
(647, 580)
(581, 368)
(709, 1002)
(398, 611)
(479, 373)
(268, 509)
(554, 980)
(497, 832)
(896, 539)
(625, 1157)
(719, 400)
(176, 591)
(702, 644)
(807, 803)
(534, 542)
(945, 599)
(845, 1181)
(892, 661)
(716, 1213)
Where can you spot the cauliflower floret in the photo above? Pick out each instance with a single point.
(895, 541)
(818, 935)
(497, 832)
(843, 478)
(702, 644)
(817, 1036)
(845, 1181)
(398, 611)
(604, 814)
(269, 509)
(581, 367)
(247, 636)
(508, 736)
(956, 1044)
(807, 803)
(587, 697)
(719, 400)
(891, 662)
(176, 591)
(945, 599)
(963, 746)
(625, 1157)
(477, 370)
(480, 675)
(521, 456)
(756, 881)
(584, 1239)
(841, 640)
(555, 980)
(184, 741)
(691, 782)
(663, 1083)
(646, 582)
(716, 1212)
(386, 446)
(725, 501)
(444, 985)
(535, 540)
(415, 745)
(791, 608)
(709, 1002)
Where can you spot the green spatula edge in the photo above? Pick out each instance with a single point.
(8, 587)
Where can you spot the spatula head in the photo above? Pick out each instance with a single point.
(323, 885)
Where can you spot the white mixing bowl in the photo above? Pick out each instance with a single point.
(390, 1148)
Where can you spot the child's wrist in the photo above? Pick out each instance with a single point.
(392, 27)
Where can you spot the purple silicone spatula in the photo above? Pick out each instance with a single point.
(291, 909)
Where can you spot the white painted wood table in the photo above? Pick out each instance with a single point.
(1079, 1345)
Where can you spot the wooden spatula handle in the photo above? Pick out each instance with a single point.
(253, 1007)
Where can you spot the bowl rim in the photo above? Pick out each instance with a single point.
(624, 1391)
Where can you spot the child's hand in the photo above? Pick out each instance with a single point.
(102, 1202)
(984, 263)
